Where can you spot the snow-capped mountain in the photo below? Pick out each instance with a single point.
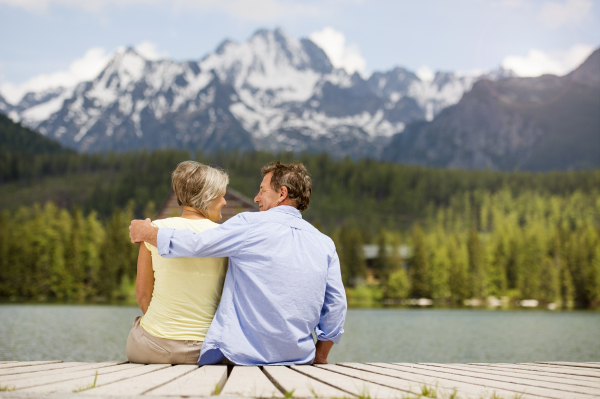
(271, 92)
(543, 123)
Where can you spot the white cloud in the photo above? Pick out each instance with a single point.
(537, 62)
(555, 14)
(149, 51)
(82, 69)
(425, 73)
(341, 55)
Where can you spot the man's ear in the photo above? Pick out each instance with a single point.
(283, 194)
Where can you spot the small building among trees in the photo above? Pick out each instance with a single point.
(236, 203)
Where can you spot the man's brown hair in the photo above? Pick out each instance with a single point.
(295, 177)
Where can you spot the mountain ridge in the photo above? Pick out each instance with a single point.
(536, 124)
(284, 94)
(273, 92)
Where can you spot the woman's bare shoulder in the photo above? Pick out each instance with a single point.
(180, 223)
(166, 222)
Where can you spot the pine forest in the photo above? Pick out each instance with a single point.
(454, 237)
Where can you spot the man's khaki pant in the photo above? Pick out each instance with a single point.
(148, 349)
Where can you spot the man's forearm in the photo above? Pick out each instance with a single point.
(152, 236)
(142, 231)
(323, 348)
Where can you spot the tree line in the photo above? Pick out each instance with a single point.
(365, 192)
(471, 234)
(528, 246)
(52, 253)
(481, 245)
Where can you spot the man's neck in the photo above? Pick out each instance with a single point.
(287, 202)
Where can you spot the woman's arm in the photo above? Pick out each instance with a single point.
(144, 283)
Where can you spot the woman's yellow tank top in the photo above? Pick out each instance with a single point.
(186, 292)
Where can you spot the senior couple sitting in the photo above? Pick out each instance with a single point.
(248, 292)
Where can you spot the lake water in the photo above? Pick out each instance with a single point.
(98, 333)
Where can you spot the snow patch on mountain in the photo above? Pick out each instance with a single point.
(271, 68)
(38, 113)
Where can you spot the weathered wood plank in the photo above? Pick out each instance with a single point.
(445, 387)
(35, 374)
(27, 364)
(380, 376)
(299, 385)
(533, 372)
(553, 383)
(496, 383)
(30, 369)
(9, 361)
(84, 383)
(143, 383)
(572, 364)
(558, 370)
(66, 395)
(50, 379)
(205, 381)
(249, 381)
(353, 386)
(489, 385)
(548, 377)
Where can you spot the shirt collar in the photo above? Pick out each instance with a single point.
(290, 210)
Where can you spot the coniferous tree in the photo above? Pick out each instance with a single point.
(419, 265)
(497, 284)
(594, 277)
(566, 285)
(381, 261)
(92, 254)
(549, 281)
(532, 259)
(351, 256)
(439, 267)
(458, 279)
(73, 256)
(397, 285)
(476, 266)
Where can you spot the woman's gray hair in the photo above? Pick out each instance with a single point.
(198, 185)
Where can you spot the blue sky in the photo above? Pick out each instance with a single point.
(47, 41)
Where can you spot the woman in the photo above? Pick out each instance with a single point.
(179, 296)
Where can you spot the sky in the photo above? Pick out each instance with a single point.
(49, 43)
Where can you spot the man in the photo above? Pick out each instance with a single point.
(283, 281)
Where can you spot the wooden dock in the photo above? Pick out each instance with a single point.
(57, 379)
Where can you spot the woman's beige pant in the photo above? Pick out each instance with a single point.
(145, 348)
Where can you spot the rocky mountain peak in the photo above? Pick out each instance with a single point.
(588, 73)
(269, 92)
(221, 47)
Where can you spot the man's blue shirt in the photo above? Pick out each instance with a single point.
(283, 282)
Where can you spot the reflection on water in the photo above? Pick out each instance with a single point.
(99, 333)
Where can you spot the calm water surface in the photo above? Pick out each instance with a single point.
(99, 333)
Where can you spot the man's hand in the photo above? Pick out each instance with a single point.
(323, 348)
(142, 230)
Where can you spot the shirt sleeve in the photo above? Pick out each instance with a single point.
(223, 241)
(333, 313)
